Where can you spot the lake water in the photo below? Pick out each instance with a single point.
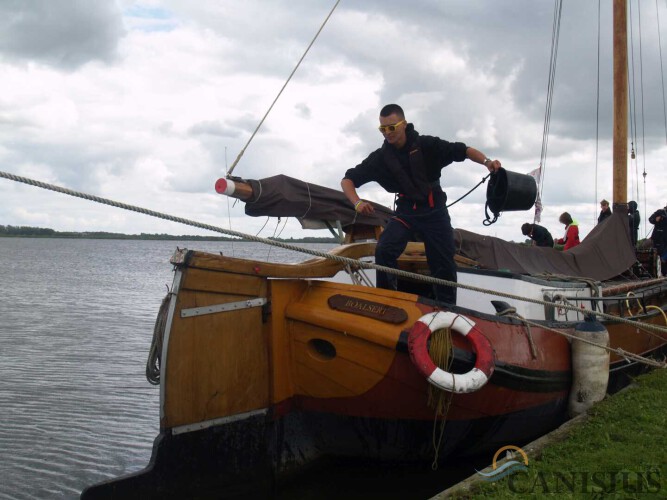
(76, 323)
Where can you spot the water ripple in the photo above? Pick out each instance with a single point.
(76, 324)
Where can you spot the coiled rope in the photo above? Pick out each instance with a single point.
(155, 352)
(337, 258)
(440, 351)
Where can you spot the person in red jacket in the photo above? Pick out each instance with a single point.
(571, 238)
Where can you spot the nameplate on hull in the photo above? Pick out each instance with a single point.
(375, 310)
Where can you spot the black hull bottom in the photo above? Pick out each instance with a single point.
(208, 464)
(199, 464)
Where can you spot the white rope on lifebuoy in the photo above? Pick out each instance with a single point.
(470, 381)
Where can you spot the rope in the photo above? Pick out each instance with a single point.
(440, 351)
(664, 316)
(337, 258)
(633, 86)
(641, 82)
(664, 104)
(597, 123)
(634, 188)
(555, 34)
(662, 73)
(511, 312)
(620, 352)
(627, 303)
(488, 221)
(281, 90)
(478, 184)
(155, 352)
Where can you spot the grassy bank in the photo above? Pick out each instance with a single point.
(618, 451)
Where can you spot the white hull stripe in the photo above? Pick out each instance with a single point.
(182, 429)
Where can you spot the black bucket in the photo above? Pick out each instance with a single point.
(509, 191)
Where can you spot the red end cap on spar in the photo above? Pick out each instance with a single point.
(221, 186)
(237, 189)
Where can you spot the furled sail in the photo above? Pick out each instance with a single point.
(314, 206)
(605, 253)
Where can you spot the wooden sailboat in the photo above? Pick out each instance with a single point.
(265, 368)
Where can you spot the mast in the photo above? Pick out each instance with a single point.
(620, 174)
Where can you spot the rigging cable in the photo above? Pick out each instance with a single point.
(597, 124)
(229, 210)
(547, 114)
(632, 102)
(641, 83)
(633, 110)
(558, 7)
(662, 73)
(283, 88)
(664, 105)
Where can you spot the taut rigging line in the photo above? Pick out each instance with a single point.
(337, 258)
(229, 173)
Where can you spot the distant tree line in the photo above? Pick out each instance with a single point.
(25, 231)
(40, 232)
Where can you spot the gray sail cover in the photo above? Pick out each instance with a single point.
(314, 206)
(605, 253)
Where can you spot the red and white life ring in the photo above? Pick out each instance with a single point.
(452, 382)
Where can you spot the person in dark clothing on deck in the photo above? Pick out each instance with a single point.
(540, 235)
(634, 219)
(409, 164)
(659, 236)
(605, 211)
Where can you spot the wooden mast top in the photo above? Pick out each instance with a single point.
(620, 174)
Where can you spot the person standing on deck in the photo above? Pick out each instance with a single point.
(659, 236)
(539, 234)
(634, 219)
(605, 211)
(410, 164)
(571, 237)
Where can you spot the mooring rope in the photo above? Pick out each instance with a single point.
(614, 350)
(337, 258)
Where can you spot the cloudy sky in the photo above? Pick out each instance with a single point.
(149, 102)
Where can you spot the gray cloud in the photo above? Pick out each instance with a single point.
(213, 128)
(65, 33)
(196, 78)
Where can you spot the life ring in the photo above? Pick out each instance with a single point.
(453, 382)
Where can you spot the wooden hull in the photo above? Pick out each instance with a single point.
(253, 392)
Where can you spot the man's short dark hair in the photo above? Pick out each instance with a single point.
(526, 228)
(391, 109)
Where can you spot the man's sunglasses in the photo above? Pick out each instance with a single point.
(389, 128)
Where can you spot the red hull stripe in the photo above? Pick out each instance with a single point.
(471, 381)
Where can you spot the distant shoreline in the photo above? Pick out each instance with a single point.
(38, 232)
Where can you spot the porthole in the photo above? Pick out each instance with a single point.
(321, 349)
